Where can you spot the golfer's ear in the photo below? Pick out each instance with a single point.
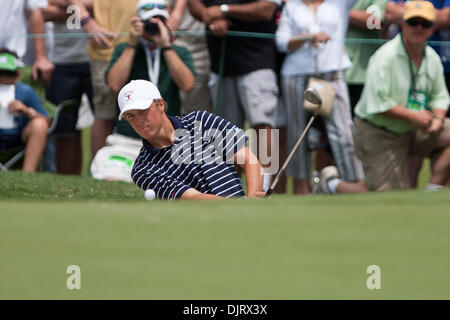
(163, 105)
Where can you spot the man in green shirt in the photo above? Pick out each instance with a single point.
(366, 18)
(403, 106)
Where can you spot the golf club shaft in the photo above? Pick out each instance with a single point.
(283, 168)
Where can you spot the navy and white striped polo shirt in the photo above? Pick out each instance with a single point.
(201, 158)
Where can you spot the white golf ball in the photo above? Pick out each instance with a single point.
(150, 194)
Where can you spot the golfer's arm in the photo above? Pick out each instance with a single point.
(253, 170)
(120, 72)
(192, 194)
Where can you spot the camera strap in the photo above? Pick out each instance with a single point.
(153, 63)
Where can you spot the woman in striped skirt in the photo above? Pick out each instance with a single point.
(312, 33)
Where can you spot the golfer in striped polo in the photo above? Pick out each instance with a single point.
(189, 157)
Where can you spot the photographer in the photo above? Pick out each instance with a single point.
(149, 55)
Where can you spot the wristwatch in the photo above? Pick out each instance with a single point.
(224, 8)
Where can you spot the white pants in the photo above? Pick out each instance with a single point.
(116, 159)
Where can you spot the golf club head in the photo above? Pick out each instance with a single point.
(311, 95)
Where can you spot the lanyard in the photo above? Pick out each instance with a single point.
(413, 75)
(153, 66)
(411, 69)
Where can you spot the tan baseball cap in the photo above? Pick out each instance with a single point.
(420, 9)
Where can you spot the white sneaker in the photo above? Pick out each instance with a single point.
(326, 175)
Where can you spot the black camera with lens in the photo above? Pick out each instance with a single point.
(151, 27)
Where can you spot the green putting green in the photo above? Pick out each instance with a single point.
(281, 248)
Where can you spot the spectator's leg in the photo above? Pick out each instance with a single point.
(68, 82)
(415, 164)
(384, 156)
(68, 154)
(227, 106)
(100, 130)
(280, 145)
(447, 82)
(323, 156)
(437, 148)
(351, 187)
(266, 150)
(48, 161)
(300, 165)
(281, 185)
(339, 127)
(355, 91)
(440, 167)
(440, 162)
(34, 136)
(225, 103)
(105, 105)
(301, 186)
(258, 95)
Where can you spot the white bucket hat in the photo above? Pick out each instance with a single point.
(147, 9)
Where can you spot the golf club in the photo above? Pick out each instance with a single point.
(312, 96)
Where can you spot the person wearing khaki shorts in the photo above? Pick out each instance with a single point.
(103, 98)
(402, 110)
(385, 155)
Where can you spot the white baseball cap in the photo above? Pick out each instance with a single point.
(137, 95)
(147, 9)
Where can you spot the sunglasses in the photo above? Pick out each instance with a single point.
(423, 23)
(151, 6)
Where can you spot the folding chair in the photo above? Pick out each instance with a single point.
(16, 154)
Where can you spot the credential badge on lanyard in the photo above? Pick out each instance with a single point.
(417, 99)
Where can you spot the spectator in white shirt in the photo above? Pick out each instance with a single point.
(312, 33)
